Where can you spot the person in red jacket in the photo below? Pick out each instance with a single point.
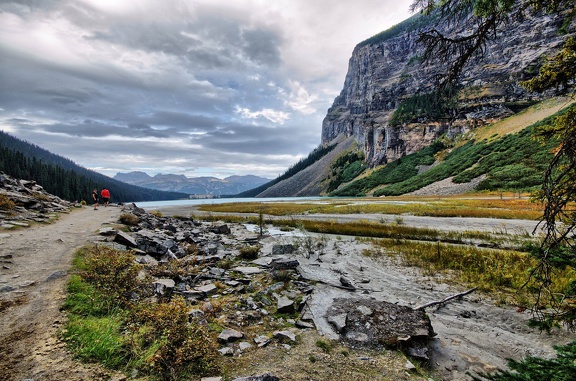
(105, 196)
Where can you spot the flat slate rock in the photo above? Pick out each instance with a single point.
(247, 270)
(371, 323)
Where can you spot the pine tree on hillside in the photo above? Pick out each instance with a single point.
(65, 179)
(560, 368)
(473, 23)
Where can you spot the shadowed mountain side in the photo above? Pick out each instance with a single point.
(312, 180)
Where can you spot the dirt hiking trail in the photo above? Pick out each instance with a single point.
(34, 266)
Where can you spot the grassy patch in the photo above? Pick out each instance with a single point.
(500, 271)
(110, 322)
(395, 172)
(486, 205)
(99, 339)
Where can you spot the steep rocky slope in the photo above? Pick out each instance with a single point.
(312, 180)
(385, 70)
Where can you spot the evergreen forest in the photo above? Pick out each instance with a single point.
(65, 179)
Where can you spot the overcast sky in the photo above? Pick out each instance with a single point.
(193, 87)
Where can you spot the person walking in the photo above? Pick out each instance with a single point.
(105, 196)
(95, 198)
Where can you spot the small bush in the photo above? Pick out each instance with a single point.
(6, 203)
(173, 347)
(157, 339)
(225, 264)
(249, 252)
(281, 276)
(111, 271)
(128, 219)
(324, 345)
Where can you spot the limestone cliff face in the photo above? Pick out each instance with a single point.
(381, 74)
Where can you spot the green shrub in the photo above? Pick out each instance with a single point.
(324, 345)
(397, 171)
(173, 348)
(128, 219)
(249, 252)
(157, 339)
(6, 203)
(560, 368)
(112, 272)
(346, 168)
(282, 276)
(429, 106)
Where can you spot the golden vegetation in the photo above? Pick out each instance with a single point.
(479, 205)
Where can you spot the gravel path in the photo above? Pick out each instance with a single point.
(35, 263)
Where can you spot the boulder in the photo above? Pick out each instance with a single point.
(208, 289)
(284, 264)
(285, 305)
(221, 229)
(125, 239)
(285, 336)
(282, 249)
(246, 270)
(370, 323)
(262, 340)
(163, 287)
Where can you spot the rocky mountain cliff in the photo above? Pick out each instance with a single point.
(385, 70)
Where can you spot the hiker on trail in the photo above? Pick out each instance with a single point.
(95, 198)
(105, 196)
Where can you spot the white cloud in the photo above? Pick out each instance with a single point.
(179, 85)
(272, 115)
(300, 99)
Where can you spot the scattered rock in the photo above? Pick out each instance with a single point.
(262, 341)
(125, 239)
(163, 287)
(338, 321)
(285, 305)
(244, 345)
(284, 264)
(282, 249)
(264, 377)
(248, 270)
(285, 336)
(229, 335)
(222, 229)
(226, 351)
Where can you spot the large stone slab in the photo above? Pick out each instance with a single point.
(248, 270)
(372, 323)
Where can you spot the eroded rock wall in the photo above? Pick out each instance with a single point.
(382, 74)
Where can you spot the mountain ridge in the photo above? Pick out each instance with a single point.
(203, 185)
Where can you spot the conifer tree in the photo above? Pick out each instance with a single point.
(471, 25)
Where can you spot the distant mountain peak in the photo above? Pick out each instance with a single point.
(193, 185)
